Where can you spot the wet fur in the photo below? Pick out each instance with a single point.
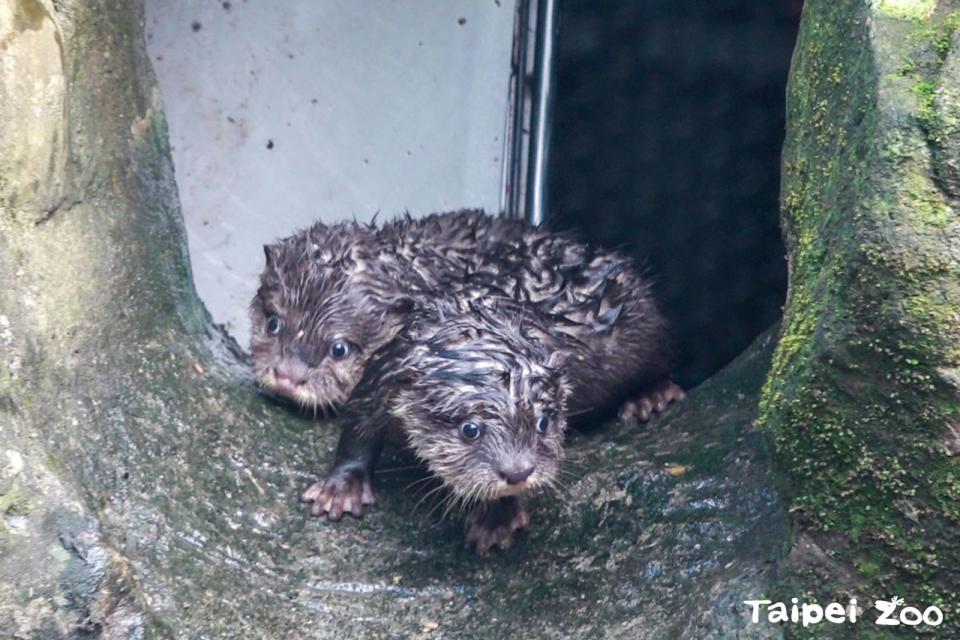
(361, 283)
(492, 363)
(457, 317)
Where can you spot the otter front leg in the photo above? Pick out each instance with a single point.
(652, 401)
(348, 487)
(493, 524)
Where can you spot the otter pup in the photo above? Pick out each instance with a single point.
(332, 295)
(477, 391)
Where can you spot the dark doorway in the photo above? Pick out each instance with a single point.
(668, 126)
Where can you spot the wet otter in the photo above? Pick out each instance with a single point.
(333, 298)
(477, 390)
(332, 295)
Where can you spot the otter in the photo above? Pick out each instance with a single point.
(477, 390)
(332, 295)
(333, 300)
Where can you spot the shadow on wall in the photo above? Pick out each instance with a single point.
(666, 141)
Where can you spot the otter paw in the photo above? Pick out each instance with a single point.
(346, 490)
(493, 524)
(656, 400)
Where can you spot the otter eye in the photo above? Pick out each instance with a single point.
(339, 350)
(470, 430)
(274, 324)
(543, 423)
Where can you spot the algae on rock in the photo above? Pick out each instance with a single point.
(863, 399)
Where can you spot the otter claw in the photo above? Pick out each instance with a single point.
(654, 401)
(493, 525)
(346, 490)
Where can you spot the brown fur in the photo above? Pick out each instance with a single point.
(494, 365)
(359, 284)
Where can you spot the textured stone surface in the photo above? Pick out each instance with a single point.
(864, 395)
(147, 490)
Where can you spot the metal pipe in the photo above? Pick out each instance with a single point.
(536, 202)
(514, 164)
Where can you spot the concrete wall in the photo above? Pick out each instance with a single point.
(282, 113)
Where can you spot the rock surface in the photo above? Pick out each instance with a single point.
(147, 490)
(191, 528)
(864, 395)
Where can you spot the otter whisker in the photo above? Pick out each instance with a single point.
(426, 497)
(460, 504)
(419, 481)
(554, 487)
(423, 483)
(443, 505)
(455, 502)
(570, 474)
(405, 468)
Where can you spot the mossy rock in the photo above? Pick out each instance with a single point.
(156, 490)
(864, 393)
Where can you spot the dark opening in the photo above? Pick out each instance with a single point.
(666, 142)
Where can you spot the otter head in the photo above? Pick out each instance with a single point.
(315, 319)
(483, 403)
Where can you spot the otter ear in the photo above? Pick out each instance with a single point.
(270, 253)
(318, 241)
(319, 232)
(407, 376)
(402, 306)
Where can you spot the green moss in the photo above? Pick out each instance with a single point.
(943, 31)
(926, 113)
(13, 502)
(932, 315)
(856, 401)
(924, 200)
(925, 50)
(907, 9)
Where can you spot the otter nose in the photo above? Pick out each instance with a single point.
(516, 477)
(292, 377)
